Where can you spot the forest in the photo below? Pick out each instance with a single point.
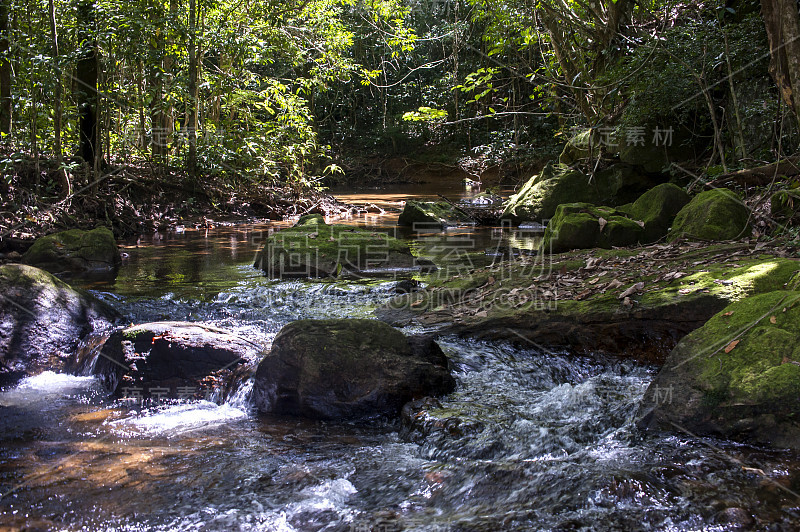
(215, 100)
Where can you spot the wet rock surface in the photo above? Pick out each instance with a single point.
(43, 320)
(172, 359)
(347, 369)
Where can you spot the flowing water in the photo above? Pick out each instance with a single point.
(531, 439)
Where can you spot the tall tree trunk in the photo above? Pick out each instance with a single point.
(66, 186)
(191, 112)
(5, 69)
(156, 89)
(86, 81)
(783, 31)
(169, 75)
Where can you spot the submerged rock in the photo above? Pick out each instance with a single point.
(539, 198)
(75, 251)
(717, 214)
(314, 249)
(347, 369)
(171, 359)
(427, 214)
(43, 320)
(737, 377)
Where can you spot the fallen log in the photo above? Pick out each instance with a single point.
(761, 175)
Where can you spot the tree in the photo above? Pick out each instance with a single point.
(5, 69)
(86, 83)
(783, 30)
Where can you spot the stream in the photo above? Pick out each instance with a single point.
(544, 439)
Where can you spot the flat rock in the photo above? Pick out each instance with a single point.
(171, 359)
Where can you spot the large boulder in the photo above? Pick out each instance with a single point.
(75, 251)
(658, 148)
(43, 320)
(717, 214)
(171, 359)
(737, 377)
(347, 369)
(427, 214)
(539, 198)
(314, 249)
(582, 146)
(656, 209)
(582, 226)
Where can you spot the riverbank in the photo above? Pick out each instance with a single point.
(132, 199)
(633, 302)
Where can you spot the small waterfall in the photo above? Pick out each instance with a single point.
(88, 351)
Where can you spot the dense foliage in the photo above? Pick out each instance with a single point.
(275, 92)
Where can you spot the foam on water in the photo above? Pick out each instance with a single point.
(46, 387)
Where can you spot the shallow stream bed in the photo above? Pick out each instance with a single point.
(532, 440)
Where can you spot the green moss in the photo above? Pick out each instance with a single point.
(320, 250)
(761, 368)
(577, 226)
(421, 212)
(657, 208)
(539, 198)
(581, 146)
(717, 214)
(75, 249)
(311, 219)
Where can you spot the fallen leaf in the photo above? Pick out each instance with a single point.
(641, 223)
(593, 281)
(613, 284)
(627, 302)
(731, 345)
(632, 290)
(490, 280)
(730, 313)
(602, 222)
(773, 319)
(313, 235)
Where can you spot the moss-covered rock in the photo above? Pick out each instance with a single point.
(42, 322)
(652, 155)
(430, 213)
(576, 300)
(315, 249)
(582, 226)
(581, 146)
(657, 208)
(310, 219)
(75, 251)
(717, 214)
(539, 198)
(347, 369)
(785, 204)
(736, 377)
